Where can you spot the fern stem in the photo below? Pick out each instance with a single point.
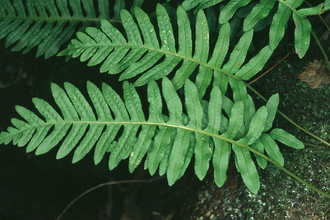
(319, 15)
(285, 170)
(267, 71)
(287, 118)
(314, 145)
(314, 35)
(273, 162)
(321, 48)
(54, 19)
(94, 188)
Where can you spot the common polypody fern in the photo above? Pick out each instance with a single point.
(212, 127)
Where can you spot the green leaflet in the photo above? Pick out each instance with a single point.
(185, 48)
(249, 111)
(326, 5)
(258, 145)
(117, 7)
(255, 64)
(185, 41)
(271, 106)
(280, 19)
(256, 126)
(159, 151)
(207, 4)
(202, 38)
(247, 168)
(203, 148)
(204, 77)
(243, 160)
(201, 4)
(240, 94)
(220, 161)
(178, 155)
(258, 12)
(219, 54)
(319, 9)
(301, 35)
(228, 11)
(272, 149)
(189, 4)
(286, 138)
(222, 149)
(238, 55)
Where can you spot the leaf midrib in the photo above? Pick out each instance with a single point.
(159, 51)
(55, 19)
(128, 123)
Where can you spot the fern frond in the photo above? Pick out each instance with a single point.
(152, 54)
(168, 141)
(49, 24)
(143, 54)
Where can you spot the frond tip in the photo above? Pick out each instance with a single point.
(168, 142)
(49, 24)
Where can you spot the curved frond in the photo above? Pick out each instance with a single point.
(153, 54)
(120, 126)
(49, 24)
(150, 54)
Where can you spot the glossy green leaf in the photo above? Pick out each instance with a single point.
(286, 138)
(319, 9)
(222, 148)
(258, 145)
(207, 4)
(303, 29)
(271, 105)
(247, 168)
(258, 12)
(257, 126)
(238, 54)
(220, 161)
(249, 111)
(203, 148)
(280, 20)
(219, 54)
(189, 4)
(255, 64)
(228, 11)
(272, 149)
